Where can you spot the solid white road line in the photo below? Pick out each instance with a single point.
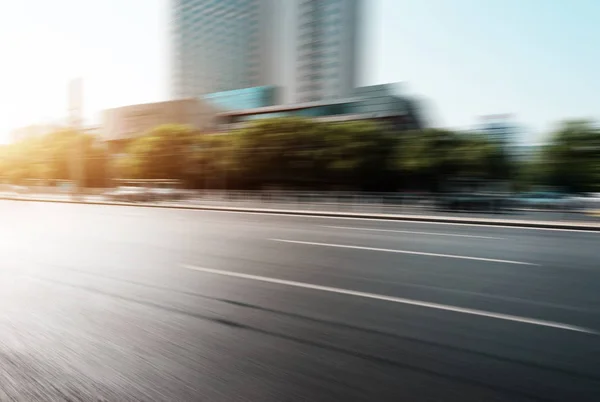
(388, 250)
(437, 306)
(412, 232)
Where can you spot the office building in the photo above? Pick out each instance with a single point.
(307, 48)
(222, 45)
(246, 98)
(381, 103)
(122, 124)
(324, 63)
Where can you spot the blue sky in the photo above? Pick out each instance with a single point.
(537, 59)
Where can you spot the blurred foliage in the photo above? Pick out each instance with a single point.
(297, 153)
(163, 153)
(428, 158)
(570, 162)
(572, 159)
(49, 158)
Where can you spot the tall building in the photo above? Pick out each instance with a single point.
(222, 45)
(324, 64)
(308, 48)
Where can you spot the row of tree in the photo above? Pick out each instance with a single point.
(570, 161)
(53, 157)
(295, 153)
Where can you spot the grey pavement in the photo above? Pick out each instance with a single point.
(119, 303)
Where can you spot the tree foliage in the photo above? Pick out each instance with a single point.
(163, 153)
(572, 160)
(429, 157)
(297, 153)
(51, 157)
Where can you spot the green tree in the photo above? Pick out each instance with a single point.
(276, 152)
(163, 153)
(51, 157)
(212, 161)
(359, 155)
(572, 159)
(425, 158)
(299, 153)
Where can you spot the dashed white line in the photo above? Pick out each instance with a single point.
(436, 306)
(389, 250)
(413, 232)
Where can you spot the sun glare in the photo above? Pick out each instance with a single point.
(36, 69)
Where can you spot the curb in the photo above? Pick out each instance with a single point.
(591, 227)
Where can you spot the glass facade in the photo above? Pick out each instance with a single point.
(325, 59)
(314, 112)
(306, 47)
(374, 91)
(247, 98)
(217, 45)
(325, 110)
(380, 105)
(252, 117)
(325, 49)
(373, 102)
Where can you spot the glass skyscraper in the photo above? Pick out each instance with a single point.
(305, 47)
(325, 62)
(221, 45)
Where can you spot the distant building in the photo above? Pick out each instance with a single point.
(122, 124)
(306, 47)
(378, 102)
(500, 128)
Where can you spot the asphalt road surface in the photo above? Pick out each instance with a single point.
(110, 303)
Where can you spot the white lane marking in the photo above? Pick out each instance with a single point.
(437, 306)
(388, 250)
(469, 293)
(412, 232)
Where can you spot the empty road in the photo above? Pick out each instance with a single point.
(116, 303)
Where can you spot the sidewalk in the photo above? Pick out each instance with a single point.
(311, 210)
